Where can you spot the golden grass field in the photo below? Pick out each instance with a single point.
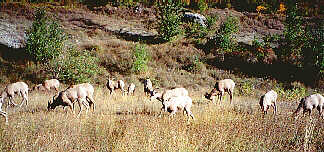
(132, 123)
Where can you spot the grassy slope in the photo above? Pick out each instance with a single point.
(131, 123)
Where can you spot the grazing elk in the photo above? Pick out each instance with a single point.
(112, 85)
(174, 103)
(307, 104)
(90, 91)
(20, 88)
(68, 97)
(222, 86)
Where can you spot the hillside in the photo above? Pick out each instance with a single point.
(114, 31)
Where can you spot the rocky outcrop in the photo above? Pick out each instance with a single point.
(10, 36)
(195, 17)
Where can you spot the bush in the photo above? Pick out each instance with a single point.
(293, 36)
(46, 45)
(140, 59)
(197, 31)
(195, 66)
(224, 36)
(313, 50)
(45, 38)
(169, 20)
(74, 66)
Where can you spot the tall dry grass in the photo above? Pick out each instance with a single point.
(131, 123)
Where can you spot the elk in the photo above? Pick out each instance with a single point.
(112, 85)
(222, 86)
(68, 97)
(90, 90)
(148, 87)
(3, 113)
(20, 88)
(307, 104)
(267, 100)
(48, 85)
(174, 103)
(131, 89)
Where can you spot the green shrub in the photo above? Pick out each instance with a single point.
(74, 66)
(169, 20)
(195, 30)
(196, 66)
(293, 35)
(46, 45)
(200, 5)
(45, 38)
(140, 59)
(224, 36)
(313, 50)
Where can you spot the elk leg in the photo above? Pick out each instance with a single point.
(85, 103)
(11, 101)
(79, 102)
(231, 95)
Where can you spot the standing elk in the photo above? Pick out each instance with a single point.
(48, 85)
(222, 86)
(165, 95)
(307, 104)
(267, 100)
(131, 89)
(20, 88)
(148, 87)
(112, 85)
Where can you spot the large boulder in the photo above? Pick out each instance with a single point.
(195, 17)
(10, 36)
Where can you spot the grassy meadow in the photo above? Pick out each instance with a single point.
(132, 123)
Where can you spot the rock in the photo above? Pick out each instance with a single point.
(195, 17)
(10, 36)
(133, 33)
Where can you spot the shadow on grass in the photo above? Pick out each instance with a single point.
(283, 72)
(13, 65)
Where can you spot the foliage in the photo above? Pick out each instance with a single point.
(293, 94)
(74, 66)
(46, 45)
(141, 58)
(45, 38)
(260, 8)
(313, 50)
(224, 38)
(247, 88)
(196, 30)
(96, 3)
(196, 65)
(200, 5)
(169, 20)
(294, 34)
